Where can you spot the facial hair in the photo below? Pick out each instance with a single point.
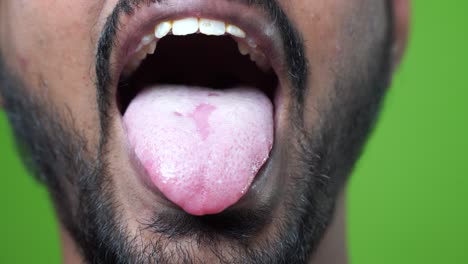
(55, 149)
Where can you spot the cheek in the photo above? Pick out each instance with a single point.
(50, 45)
(337, 36)
(320, 23)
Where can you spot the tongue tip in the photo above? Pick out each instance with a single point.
(201, 211)
(199, 205)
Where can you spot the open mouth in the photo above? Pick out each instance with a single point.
(199, 99)
(199, 52)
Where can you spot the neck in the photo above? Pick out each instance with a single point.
(332, 248)
(70, 252)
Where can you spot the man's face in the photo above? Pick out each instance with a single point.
(196, 152)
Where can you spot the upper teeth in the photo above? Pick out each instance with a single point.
(212, 27)
(185, 26)
(162, 29)
(235, 31)
(192, 25)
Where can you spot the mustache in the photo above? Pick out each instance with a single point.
(296, 62)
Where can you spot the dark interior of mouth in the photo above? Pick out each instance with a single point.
(196, 60)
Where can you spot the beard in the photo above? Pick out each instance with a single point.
(81, 183)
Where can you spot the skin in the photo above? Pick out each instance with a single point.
(51, 46)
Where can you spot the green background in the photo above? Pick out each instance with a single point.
(408, 196)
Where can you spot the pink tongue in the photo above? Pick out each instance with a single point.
(201, 148)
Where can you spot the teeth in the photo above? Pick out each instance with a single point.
(254, 56)
(251, 43)
(185, 26)
(260, 59)
(147, 39)
(243, 49)
(212, 27)
(235, 31)
(193, 25)
(152, 47)
(162, 29)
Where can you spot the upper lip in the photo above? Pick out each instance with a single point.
(251, 19)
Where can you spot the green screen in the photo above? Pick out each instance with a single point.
(408, 196)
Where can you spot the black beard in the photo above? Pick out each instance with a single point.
(55, 149)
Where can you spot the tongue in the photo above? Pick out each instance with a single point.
(201, 147)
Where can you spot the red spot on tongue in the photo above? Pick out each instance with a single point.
(200, 116)
(201, 151)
